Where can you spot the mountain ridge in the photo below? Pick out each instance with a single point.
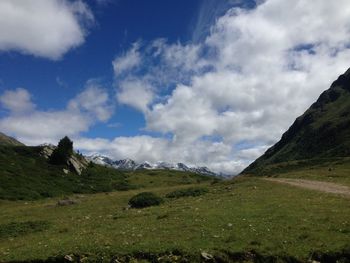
(9, 141)
(323, 131)
(131, 165)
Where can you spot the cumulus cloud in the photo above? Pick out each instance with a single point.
(135, 93)
(255, 72)
(93, 100)
(17, 101)
(43, 28)
(35, 127)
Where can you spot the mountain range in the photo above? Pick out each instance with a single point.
(131, 165)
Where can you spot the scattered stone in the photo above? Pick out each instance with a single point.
(206, 256)
(65, 171)
(68, 258)
(229, 225)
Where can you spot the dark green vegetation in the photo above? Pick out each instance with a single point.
(321, 133)
(63, 152)
(25, 175)
(193, 191)
(145, 199)
(247, 218)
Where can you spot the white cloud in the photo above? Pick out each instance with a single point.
(93, 100)
(135, 93)
(256, 71)
(17, 101)
(223, 101)
(43, 28)
(35, 127)
(127, 61)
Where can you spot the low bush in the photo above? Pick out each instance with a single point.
(145, 199)
(193, 191)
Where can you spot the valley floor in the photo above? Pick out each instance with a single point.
(246, 219)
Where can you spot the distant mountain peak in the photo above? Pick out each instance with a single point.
(130, 165)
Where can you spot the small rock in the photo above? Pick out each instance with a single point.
(68, 258)
(65, 171)
(229, 225)
(206, 256)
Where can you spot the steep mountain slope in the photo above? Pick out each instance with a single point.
(6, 140)
(322, 132)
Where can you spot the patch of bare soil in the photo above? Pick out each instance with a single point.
(314, 185)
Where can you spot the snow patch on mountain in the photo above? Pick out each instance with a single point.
(131, 165)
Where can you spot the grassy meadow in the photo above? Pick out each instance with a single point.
(246, 219)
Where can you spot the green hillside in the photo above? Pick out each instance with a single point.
(322, 132)
(25, 174)
(6, 140)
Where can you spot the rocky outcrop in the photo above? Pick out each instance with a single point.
(76, 163)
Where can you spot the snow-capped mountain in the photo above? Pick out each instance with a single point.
(130, 165)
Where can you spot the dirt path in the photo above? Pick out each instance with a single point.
(314, 185)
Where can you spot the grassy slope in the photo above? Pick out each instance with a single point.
(335, 170)
(322, 132)
(25, 175)
(6, 140)
(238, 216)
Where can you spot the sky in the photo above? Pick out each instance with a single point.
(205, 82)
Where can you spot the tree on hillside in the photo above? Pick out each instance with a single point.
(63, 152)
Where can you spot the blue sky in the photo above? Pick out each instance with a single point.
(178, 81)
(118, 24)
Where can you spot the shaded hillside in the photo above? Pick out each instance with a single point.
(25, 174)
(322, 132)
(6, 140)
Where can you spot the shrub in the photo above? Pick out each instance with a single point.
(145, 199)
(193, 191)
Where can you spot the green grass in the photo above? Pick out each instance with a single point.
(16, 229)
(233, 218)
(193, 191)
(336, 170)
